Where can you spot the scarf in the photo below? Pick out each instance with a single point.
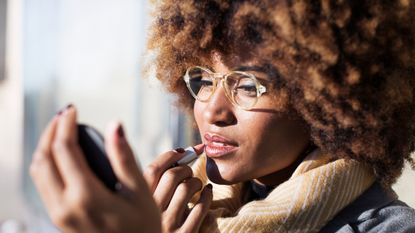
(317, 190)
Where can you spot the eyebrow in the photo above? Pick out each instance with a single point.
(268, 70)
(251, 68)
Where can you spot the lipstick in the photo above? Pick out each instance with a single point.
(189, 156)
(218, 146)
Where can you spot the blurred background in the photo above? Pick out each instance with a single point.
(89, 53)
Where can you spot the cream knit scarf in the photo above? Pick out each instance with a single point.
(315, 193)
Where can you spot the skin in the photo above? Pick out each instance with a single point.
(269, 143)
(77, 201)
(172, 190)
(270, 146)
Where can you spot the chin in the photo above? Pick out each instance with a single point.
(215, 175)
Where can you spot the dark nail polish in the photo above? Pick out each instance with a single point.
(209, 186)
(63, 110)
(179, 150)
(120, 131)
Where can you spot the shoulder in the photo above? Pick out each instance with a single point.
(395, 217)
(376, 210)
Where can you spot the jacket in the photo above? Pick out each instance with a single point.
(377, 210)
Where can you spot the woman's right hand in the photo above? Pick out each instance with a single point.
(74, 197)
(173, 188)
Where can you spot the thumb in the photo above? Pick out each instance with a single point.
(122, 158)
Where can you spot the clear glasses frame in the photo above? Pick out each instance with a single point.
(217, 77)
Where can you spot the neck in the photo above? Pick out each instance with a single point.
(279, 177)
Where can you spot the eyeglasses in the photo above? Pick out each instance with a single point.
(241, 88)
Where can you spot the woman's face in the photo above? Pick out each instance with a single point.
(261, 144)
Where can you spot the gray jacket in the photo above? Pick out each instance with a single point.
(376, 210)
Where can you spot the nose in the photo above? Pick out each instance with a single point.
(219, 109)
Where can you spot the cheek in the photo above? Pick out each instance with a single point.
(262, 139)
(272, 144)
(198, 113)
(260, 130)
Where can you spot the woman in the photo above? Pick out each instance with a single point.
(306, 114)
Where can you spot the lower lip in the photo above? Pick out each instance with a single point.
(218, 151)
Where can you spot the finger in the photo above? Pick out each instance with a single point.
(199, 211)
(181, 198)
(163, 162)
(66, 151)
(168, 184)
(43, 169)
(199, 148)
(122, 158)
(46, 138)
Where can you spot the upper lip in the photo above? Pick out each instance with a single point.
(212, 137)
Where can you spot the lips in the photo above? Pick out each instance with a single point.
(218, 146)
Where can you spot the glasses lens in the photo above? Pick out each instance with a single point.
(200, 83)
(243, 89)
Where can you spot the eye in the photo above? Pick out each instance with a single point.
(246, 87)
(205, 82)
(247, 90)
(200, 83)
(204, 85)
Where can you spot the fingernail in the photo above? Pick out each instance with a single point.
(209, 186)
(179, 150)
(120, 131)
(64, 109)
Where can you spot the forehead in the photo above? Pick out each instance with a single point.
(225, 64)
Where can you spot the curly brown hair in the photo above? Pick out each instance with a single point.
(348, 66)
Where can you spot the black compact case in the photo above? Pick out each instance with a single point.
(93, 147)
